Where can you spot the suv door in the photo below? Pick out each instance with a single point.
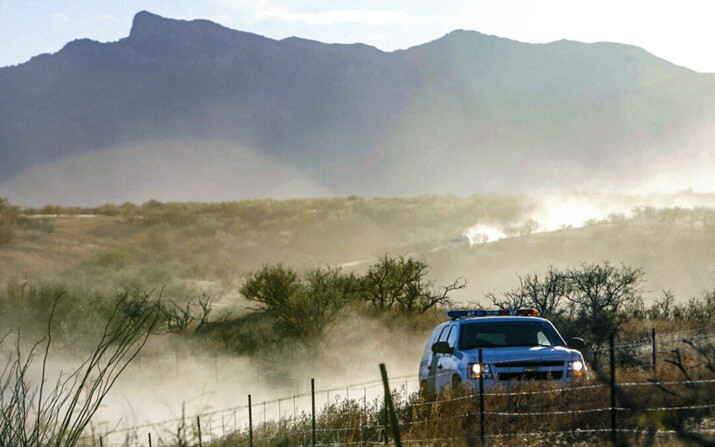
(433, 368)
(426, 363)
(447, 363)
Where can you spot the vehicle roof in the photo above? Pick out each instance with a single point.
(502, 318)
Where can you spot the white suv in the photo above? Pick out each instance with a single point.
(514, 344)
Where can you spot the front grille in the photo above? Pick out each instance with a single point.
(531, 375)
(523, 364)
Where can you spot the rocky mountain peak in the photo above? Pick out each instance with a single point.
(147, 24)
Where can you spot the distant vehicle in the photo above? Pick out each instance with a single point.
(459, 241)
(515, 345)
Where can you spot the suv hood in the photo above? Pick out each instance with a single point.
(525, 354)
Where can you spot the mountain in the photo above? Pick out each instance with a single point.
(191, 110)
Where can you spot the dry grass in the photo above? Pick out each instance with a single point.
(527, 414)
(154, 244)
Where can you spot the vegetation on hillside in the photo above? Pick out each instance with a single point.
(9, 216)
(161, 244)
(271, 280)
(175, 245)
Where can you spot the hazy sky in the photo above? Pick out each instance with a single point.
(680, 31)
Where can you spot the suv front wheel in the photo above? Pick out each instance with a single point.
(456, 383)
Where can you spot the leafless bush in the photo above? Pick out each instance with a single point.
(40, 414)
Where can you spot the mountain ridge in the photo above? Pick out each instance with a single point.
(350, 117)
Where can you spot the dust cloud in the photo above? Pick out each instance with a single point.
(169, 380)
(559, 211)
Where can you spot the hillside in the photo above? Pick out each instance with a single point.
(184, 247)
(190, 110)
(182, 253)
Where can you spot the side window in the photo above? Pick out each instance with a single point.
(444, 333)
(428, 349)
(452, 336)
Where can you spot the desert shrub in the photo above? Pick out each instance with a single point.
(662, 307)
(325, 293)
(34, 412)
(701, 310)
(591, 301)
(27, 305)
(597, 295)
(249, 334)
(271, 287)
(696, 310)
(9, 215)
(111, 258)
(54, 210)
(78, 315)
(302, 307)
(43, 224)
(401, 283)
(524, 229)
(175, 213)
(6, 235)
(546, 295)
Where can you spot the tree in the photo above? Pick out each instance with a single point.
(302, 307)
(597, 293)
(402, 283)
(526, 228)
(177, 319)
(272, 288)
(545, 295)
(324, 293)
(9, 215)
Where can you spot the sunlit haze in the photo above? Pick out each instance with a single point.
(274, 216)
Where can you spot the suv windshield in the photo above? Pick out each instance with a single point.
(504, 334)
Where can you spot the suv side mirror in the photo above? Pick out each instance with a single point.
(577, 343)
(442, 347)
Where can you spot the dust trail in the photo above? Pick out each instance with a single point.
(344, 363)
(562, 211)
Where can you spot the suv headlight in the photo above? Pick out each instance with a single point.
(576, 368)
(476, 369)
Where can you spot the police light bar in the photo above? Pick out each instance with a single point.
(491, 313)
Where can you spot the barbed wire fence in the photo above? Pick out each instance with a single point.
(357, 414)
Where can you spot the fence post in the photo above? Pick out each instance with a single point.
(312, 400)
(250, 422)
(150, 439)
(101, 444)
(385, 421)
(198, 425)
(390, 407)
(364, 414)
(481, 396)
(655, 371)
(613, 389)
